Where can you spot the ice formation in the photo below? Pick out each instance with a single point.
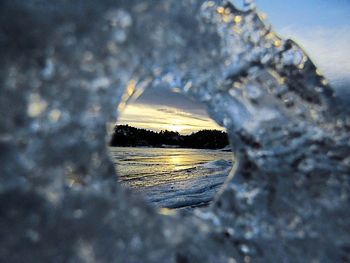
(64, 67)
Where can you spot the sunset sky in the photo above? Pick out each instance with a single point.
(322, 27)
(159, 110)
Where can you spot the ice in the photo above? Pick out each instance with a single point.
(65, 67)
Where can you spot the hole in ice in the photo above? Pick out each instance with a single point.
(165, 147)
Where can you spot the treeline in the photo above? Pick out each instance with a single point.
(127, 136)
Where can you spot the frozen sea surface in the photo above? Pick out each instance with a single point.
(170, 177)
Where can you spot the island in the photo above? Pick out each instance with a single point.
(128, 136)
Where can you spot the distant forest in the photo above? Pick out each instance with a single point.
(127, 136)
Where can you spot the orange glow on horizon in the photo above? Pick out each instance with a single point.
(159, 118)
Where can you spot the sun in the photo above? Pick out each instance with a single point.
(176, 125)
(176, 128)
(165, 118)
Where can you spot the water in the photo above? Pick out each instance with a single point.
(172, 177)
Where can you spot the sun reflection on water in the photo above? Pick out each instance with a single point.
(177, 161)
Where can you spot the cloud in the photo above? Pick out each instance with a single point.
(169, 118)
(199, 114)
(164, 97)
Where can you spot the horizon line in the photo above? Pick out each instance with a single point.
(160, 130)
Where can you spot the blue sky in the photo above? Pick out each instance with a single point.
(325, 13)
(322, 27)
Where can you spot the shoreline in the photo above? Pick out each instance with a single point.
(225, 149)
